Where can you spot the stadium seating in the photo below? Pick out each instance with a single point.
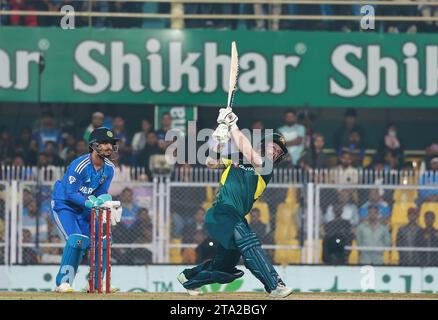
(353, 257)
(210, 194)
(285, 225)
(175, 253)
(287, 256)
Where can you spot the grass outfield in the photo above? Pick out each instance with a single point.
(213, 296)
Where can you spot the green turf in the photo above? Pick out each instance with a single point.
(211, 296)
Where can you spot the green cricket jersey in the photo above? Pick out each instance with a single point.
(240, 186)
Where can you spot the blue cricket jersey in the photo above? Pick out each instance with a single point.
(80, 181)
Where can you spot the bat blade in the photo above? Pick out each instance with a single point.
(234, 69)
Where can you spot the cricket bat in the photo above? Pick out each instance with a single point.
(234, 69)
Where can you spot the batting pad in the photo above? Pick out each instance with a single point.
(254, 257)
(74, 250)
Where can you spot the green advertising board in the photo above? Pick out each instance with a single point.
(190, 67)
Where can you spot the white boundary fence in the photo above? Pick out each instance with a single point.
(309, 184)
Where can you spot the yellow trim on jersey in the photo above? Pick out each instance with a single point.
(224, 176)
(261, 186)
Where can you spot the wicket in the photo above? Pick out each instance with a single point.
(99, 215)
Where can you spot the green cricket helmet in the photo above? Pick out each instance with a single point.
(279, 140)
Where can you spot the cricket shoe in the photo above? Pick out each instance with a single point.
(281, 291)
(193, 292)
(64, 288)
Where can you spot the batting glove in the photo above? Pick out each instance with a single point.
(228, 117)
(221, 134)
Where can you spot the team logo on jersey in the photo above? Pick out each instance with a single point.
(86, 190)
(71, 179)
(102, 180)
(88, 180)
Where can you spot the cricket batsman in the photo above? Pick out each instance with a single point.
(241, 184)
(84, 186)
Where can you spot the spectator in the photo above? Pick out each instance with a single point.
(96, 122)
(141, 232)
(166, 125)
(431, 152)
(428, 11)
(139, 139)
(409, 236)
(45, 5)
(124, 143)
(101, 6)
(375, 200)
(307, 119)
(315, 157)
(22, 20)
(430, 179)
(52, 254)
(355, 147)
(4, 5)
(343, 10)
(122, 177)
(344, 172)
(307, 9)
(372, 233)
(69, 145)
(258, 125)
(30, 255)
(338, 234)
(36, 222)
(150, 148)
(398, 26)
(342, 135)
(294, 135)
(48, 132)
(21, 172)
(23, 146)
(191, 227)
(348, 208)
(429, 239)
(130, 209)
(6, 146)
(52, 157)
(126, 7)
(390, 162)
(391, 142)
(81, 148)
(207, 8)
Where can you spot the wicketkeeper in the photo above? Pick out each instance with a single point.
(242, 183)
(84, 186)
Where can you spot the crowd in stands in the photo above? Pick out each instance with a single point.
(224, 8)
(47, 143)
(362, 218)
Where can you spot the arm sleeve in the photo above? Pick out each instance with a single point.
(103, 188)
(74, 182)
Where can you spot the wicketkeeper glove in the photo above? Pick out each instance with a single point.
(228, 117)
(93, 202)
(116, 211)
